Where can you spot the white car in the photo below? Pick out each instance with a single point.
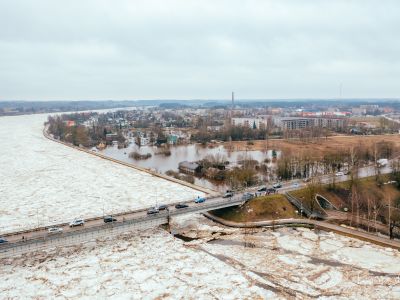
(295, 185)
(55, 230)
(339, 174)
(77, 222)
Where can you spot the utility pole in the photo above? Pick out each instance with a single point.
(233, 100)
(390, 232)
(37, 217)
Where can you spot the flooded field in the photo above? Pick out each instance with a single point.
(192, 152)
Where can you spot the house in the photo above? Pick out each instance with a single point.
(172, 139)
(70, 123)
(144, 141)
(189, 167)
(111, 136)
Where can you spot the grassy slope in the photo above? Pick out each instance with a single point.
(278, 207)
(367, 188)
(258, 209)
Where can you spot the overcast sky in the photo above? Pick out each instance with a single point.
(201, 49)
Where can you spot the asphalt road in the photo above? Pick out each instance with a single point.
(98, 222)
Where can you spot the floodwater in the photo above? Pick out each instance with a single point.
(193, 152)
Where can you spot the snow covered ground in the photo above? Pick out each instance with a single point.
(300, 262)
(43, 182)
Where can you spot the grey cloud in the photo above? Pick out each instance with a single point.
(198, 49)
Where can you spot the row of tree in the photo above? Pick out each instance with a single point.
(77, 134)
(304, 164)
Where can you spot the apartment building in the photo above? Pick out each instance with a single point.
(293, 123)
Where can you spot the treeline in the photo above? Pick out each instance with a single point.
(304, 164)
(245, 174)
(235, 133)
(77, 134)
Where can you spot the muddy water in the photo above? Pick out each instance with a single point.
(192, 152)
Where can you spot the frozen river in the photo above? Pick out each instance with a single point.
(43, 182)
(220, 263)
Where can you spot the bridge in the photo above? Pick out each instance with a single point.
(39, 238)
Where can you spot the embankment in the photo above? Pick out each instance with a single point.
(181, 182)
(349, 232)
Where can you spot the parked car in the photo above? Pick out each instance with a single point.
(228, 195)
(262, 189)
(247, 196)
(162, 207)
(180, 205)
(77, 222)
(271, 191)
(295, 184)
(383, 162)
(53, 230)
(3, 240)
(200, 200)
(277, 185)
(109, 219)
(339, 174)
(152, 211)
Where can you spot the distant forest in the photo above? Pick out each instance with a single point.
(33, 107)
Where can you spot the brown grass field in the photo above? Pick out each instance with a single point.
(319, 146)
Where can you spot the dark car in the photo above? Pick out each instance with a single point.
(271, 191)
(162, 207)
(228, 195)
(153, 211)
(180, 205)
(247, 196)
(109, 219)
(3, 240)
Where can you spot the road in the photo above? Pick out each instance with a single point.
(210, 204)
(42, 233)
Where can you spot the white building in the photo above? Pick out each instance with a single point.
(250, 122)
(293, 123)
(144, 141)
